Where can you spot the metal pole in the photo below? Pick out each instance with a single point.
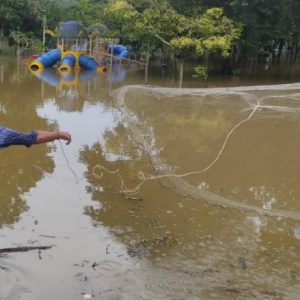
(44, 32)
(111, 55)
(42, 89)
(18, 47)
(181, 74)
(147, 65)
(97, 44)
(91, 41)
(85, 44)
(44, 35)
(111, 66)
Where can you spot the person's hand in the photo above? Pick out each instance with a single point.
(66, 136)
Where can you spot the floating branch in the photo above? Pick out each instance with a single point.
(24, 249)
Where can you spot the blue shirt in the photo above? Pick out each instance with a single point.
(9, 137)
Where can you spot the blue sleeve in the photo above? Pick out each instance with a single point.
(9, 137)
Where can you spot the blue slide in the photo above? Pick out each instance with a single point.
(119, 50)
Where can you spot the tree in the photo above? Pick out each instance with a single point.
(11, 15)
(180, 34)
(86, 12)
(23, 41)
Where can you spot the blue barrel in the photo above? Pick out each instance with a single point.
(67, 63)
(70, 60)
(49, 58)
(88, 62)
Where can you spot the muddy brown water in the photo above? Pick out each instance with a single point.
(161, 243)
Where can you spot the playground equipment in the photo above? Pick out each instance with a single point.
(105, 48)
(92, 49)
(71, 35)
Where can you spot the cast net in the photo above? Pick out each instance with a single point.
(232, 147)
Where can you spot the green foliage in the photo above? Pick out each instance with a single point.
(200, 72)
(236, 72)
(267, 24)
(38, 47)
(164, 27)
(211, 31)
(86, 12)
(179, 27)
(23, 39)
(27, 15)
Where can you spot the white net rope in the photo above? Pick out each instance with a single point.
(240, 105)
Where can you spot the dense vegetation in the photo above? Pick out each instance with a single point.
(233, 29)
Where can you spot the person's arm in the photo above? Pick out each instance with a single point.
(10, 137)
(45, 136)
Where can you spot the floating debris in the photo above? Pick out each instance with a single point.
(163, 241)
(139, 250)
(242, 263)
(295, 232)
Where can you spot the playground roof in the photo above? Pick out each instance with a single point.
(99, 29)
(72, 29)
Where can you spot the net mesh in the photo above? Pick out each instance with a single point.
(186, 132)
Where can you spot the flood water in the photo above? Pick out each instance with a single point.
(229, 230)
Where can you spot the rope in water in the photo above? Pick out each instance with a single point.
(125, 190)
(69, 167)
(64, 154)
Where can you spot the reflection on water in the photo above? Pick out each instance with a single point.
(117, 74)
(18, 111)
(159, 243)
(74, 79)
(73, 89)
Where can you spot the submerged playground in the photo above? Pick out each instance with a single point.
(77, 48)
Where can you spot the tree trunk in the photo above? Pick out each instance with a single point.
(147, 65)
(227, 66)
(237, 56)
(273, 49)
(251, 64)
(296, 51)
(280, 48)
(292, 51)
